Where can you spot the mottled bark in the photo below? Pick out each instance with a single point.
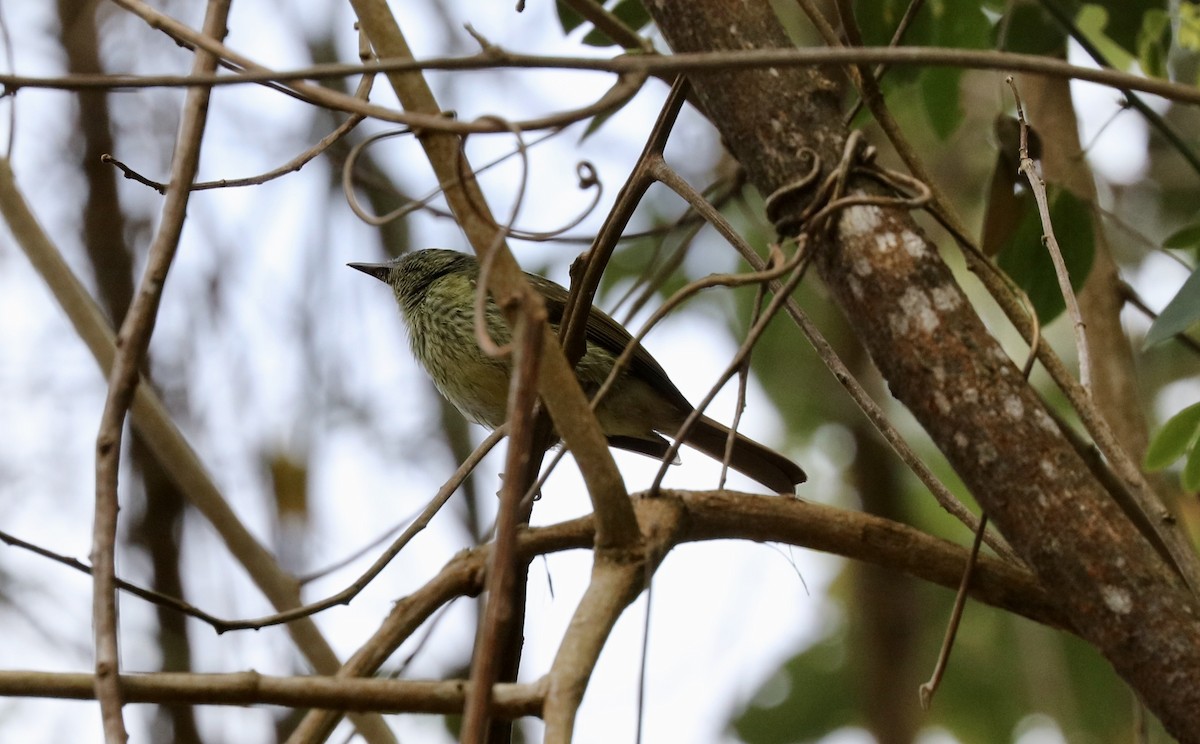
(940, 361)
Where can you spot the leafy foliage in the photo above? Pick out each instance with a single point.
(1180, 436)
(1094, 22)
(960, 25)
(1185, 238)
(1154, 42)
(1180, 314)
(1027, 28)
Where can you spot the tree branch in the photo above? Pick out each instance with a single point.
(252, 688)
(717, 515)
(132, 342)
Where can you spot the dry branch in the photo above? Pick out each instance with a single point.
(251, 688)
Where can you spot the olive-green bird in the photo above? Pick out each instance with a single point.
(436, 292)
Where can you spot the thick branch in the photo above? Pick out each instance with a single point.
(618, 578)
(716, 515)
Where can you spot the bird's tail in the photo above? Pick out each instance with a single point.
(755, 460)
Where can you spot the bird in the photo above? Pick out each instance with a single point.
(436, 288)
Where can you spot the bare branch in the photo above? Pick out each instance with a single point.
(132, 342)
(664, 67)
(717, 515)
(252, 688)
(1038, 187)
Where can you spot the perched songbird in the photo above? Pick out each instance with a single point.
(436, 292)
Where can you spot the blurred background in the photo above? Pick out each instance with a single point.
(290, 375)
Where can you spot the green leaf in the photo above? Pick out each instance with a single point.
(1126, 18)
(878, 20)
(1179, 314)
(567, 17)
(940, 93)
(1185, 238)
(1092, 21)
(810, 696)
(1026, 259)
(1191, 470)
(1153, 42)
(1175, 438)
(631, 12)
(1028, 29)
(953, 25)
(959, 25)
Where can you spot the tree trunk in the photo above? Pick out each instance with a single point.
(940, 361)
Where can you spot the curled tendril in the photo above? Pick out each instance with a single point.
(798, 185)
(857, 159)
(482, 337)
(348, 183)
(588, 179)
(585, 171)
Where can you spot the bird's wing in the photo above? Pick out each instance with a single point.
(608, 334)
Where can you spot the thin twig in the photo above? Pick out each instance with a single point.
(875, 77)
(291, 166)
(927, 690)
(622, 90)
(795, 267)
(157, 598)
(421, 521)
(444, 697)
(1038, 187)
(132, 342)
(572, 332)
(635, 65)
(348, 594)
(743, 372)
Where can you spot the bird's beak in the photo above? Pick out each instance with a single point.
(377, 270)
